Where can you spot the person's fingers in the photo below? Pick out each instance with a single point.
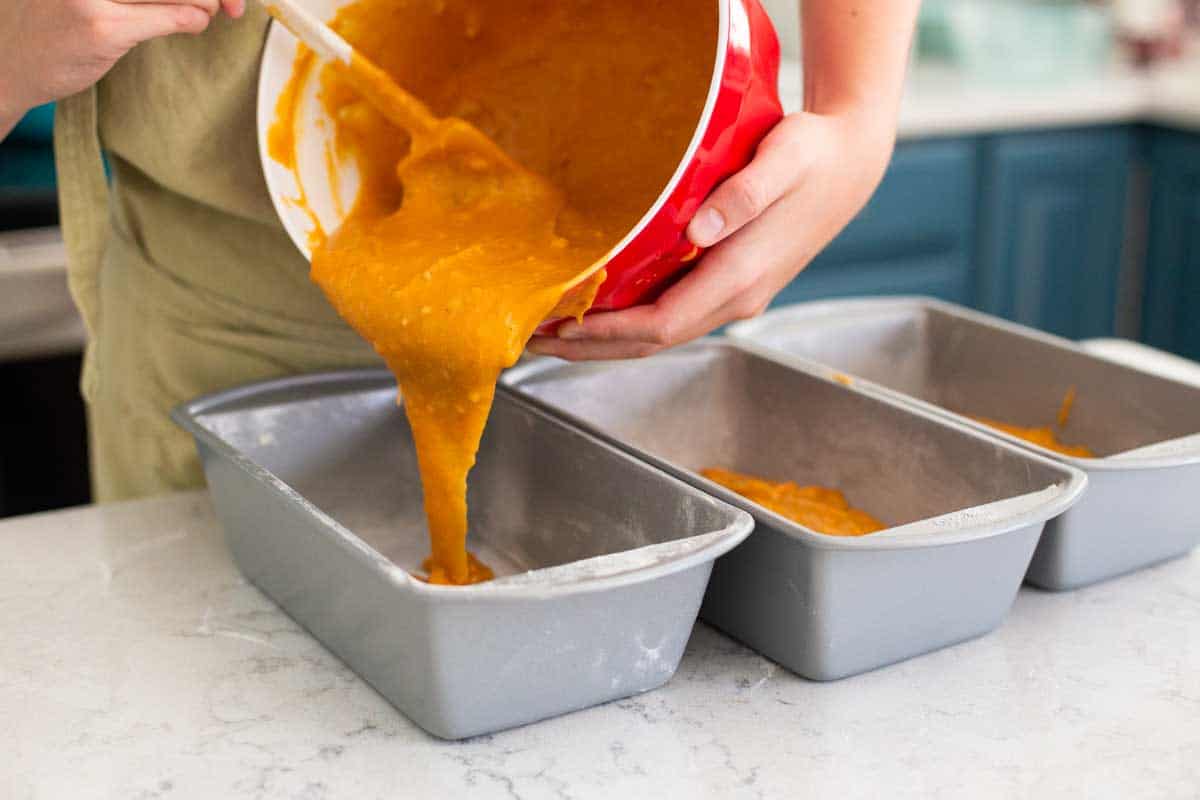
(777, 167)
(636, 324)
(689, 310)
(755, 256)
(763, 257)
(234, 8)
(589, 350)
(679, 315)
(210, 7)
(142, 21)
(135, 23)
(736, 280)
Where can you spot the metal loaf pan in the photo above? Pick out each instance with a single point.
(602, 560)
(967, 510)
(1140, 507)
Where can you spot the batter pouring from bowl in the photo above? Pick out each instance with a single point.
(189, 283)
(453, 253)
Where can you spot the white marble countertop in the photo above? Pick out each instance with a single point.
(136, 663)
(941, 101)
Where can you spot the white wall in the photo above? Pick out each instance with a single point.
(786, 15)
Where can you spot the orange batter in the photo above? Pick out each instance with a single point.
(456, 249)
(1046, 437)
(823, 510)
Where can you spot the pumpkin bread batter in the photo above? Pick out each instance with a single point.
(817, 508)
(1045, 437)
(456, 248)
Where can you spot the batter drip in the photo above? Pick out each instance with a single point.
(559, 124)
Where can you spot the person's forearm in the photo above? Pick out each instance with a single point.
(855, 56)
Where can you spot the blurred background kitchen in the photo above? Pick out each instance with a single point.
(1048, 171)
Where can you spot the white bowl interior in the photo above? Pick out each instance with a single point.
(327, 184)
(323, 186)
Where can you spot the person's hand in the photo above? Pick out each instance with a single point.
(53, 48)
(809, 178)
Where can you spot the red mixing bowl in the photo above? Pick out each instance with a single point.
(742, 107)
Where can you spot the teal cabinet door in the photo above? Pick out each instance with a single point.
(36, 127)
(1052, 228)
(27, 180)
(914, 237)
(26, 168)
(27, 153)
(1171, 303)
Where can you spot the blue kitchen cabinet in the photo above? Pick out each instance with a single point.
(26, 168)
(916, 236)
(27, 153)
(37, 126)
(1052, 227)
(27, 179)
(1171, 303)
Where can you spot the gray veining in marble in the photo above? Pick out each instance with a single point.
(135, 663)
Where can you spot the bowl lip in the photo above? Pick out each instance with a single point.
(265, 114)
(189, 415)
(1069, 487)
(812, 312)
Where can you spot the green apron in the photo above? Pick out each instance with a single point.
(182, 271)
